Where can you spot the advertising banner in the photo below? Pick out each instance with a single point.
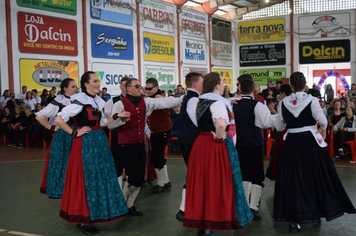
(222, 54)
(261, 76)
(194, 51)
(330, 25)
(44, 74)
(187, 70)
(111, 42)
(193, 23)
(324, 51)
(47, 35)
(221, 30)
(61, 6)
(266, 54)
(110, 75)
(107, 11)
(164, 74)
(158, 47)
(260, 31)
(158, 15)
(226, 75)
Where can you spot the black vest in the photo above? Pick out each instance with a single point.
(247, 133)
(187, 132)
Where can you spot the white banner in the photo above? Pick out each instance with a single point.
(164, 74)
(222, 54)
(110, 75)
(194, 23)
(324, 25)
(158, 15)
(194, 52)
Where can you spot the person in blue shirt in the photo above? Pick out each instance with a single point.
(106, 96)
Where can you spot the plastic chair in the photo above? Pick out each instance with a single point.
(351, 143)
(166, 148)
(269, 142)
(5, 139)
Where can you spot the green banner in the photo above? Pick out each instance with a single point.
(261, 76)
(61, 6)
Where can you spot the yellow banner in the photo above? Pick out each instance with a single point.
(158, 47)
(226, 75)
(45, 74)
(260, 31)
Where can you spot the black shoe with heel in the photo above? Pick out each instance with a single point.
(133, 211)
(180, 216)
(294, 227)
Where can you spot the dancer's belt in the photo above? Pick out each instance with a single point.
(312, 129)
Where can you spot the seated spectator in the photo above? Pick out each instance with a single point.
(271, 104)
(24, 126)
(174, 147)
(100, 94)
(36, 99)
(322, 105)
(306, 90)
(13, 128)
(343, 102)
(44, 97)
(270, 96)
(4, 98)
(284, 91)
(170, 93)
(106, 96)
(21, 96)
(29, 101)
(344, 131)
(13, 102)
(257, 90)
(227, 93)
(331, 106)
(35, 129)
(270, 85)
(336, 114)
(52, 95)
(5, 119)
(163, 93)
(180, 91)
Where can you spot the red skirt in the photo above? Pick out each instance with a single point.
(210, 200)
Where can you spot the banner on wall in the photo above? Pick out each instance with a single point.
(222, 54)
(110, 75)
(221, 30)
(260, 31)
(44, 74)
(164, 74)
(187, 70)
(61, 6)
(158, 15)
(193, 24)
(261, 76)
(318, 26)
(47, 35)
(324, 51)
(194, 51)
(266, 54)
(226, 75)
(111, 42)
(158, 47)
(105, 10)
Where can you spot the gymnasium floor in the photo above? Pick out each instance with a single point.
(27, 212)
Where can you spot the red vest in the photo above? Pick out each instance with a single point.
(133, 131)
(159, 121)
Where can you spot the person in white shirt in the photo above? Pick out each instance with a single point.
(29, 100)
(37, 99)
(4, 98)
(22, 96)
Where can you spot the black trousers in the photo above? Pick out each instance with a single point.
(186, 150)
(118, 161)
(158, 144)
(251, 163)
(134, 160)
(340, 137)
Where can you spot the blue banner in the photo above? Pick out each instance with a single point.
(111, 42)
(104, 10)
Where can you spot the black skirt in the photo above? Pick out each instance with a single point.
(307, 185)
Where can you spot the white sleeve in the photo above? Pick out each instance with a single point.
(117, 108)
(191, 110)
(70, 111)
(161, 103)
(103, 118)
(279, 122)
(263, 117)
(49, 111)
(318, 114)
(219, 110)
(108, 108)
